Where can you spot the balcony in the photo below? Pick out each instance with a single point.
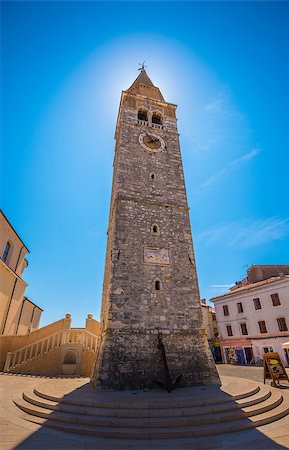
(158, 126)
(143, 122)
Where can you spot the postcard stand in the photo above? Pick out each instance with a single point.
(274, 368)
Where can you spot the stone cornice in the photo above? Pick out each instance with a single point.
(143, 97)
(150, 203)
(144, 128)
(5, 266)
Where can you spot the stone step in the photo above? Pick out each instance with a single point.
(148, 422)
(142, 403)
(275, 399)
(261, 397)
(168, 433)
(263, 393)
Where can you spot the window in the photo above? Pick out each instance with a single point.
(282, 324)
(157, 285)
(257, 303)
(70, 357)
(262, 326)
(142, 115)
(226, 310)
(152, 176)
(275, 299)
(244, 329)
(155, 229)
(6, 251)
(229, 330)
(240, 307)
(156, 118)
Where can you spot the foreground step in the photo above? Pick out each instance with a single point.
(168, 433)
(146, 403)
(186, 413)
(264, 399)
(158, 428)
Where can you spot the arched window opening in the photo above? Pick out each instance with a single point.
(157, 118)
(70, 357)
(155, 228)
(142, 115)
(157, 285)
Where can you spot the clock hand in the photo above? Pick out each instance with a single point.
(154, 139)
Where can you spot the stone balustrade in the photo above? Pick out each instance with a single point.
(34, 350)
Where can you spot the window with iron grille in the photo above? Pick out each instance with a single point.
(257, 303)
(282, 324)
(262, 326)
(229, 330)
(275, 299)
(240, 307)
(244, 328)
(226, 310)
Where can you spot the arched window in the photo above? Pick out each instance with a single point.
(155, 229)
(70, 357)
(142, 115)
(157, 285)
(157, 118)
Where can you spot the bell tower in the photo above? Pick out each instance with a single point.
(150, 282)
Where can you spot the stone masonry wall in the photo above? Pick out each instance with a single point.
(133, 311)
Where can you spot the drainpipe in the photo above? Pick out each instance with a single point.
(9, 305)
(22, 306)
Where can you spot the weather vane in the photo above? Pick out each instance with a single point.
(142, 66)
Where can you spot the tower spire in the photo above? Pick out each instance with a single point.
(143, 85)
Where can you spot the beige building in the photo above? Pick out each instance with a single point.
(253, 318)
(210, 325)
(56, 349)
(18, 314)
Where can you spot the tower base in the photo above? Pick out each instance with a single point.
(130, 359)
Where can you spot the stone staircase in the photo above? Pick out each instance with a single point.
(24, 355)
(185, 413)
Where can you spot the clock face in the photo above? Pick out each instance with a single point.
(151, 142)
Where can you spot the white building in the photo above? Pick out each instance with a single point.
(253, 317)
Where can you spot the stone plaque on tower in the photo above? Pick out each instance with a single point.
(150, 282)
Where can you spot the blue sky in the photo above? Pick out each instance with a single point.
(64, 65)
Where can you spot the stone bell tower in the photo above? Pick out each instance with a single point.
(150, 282)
